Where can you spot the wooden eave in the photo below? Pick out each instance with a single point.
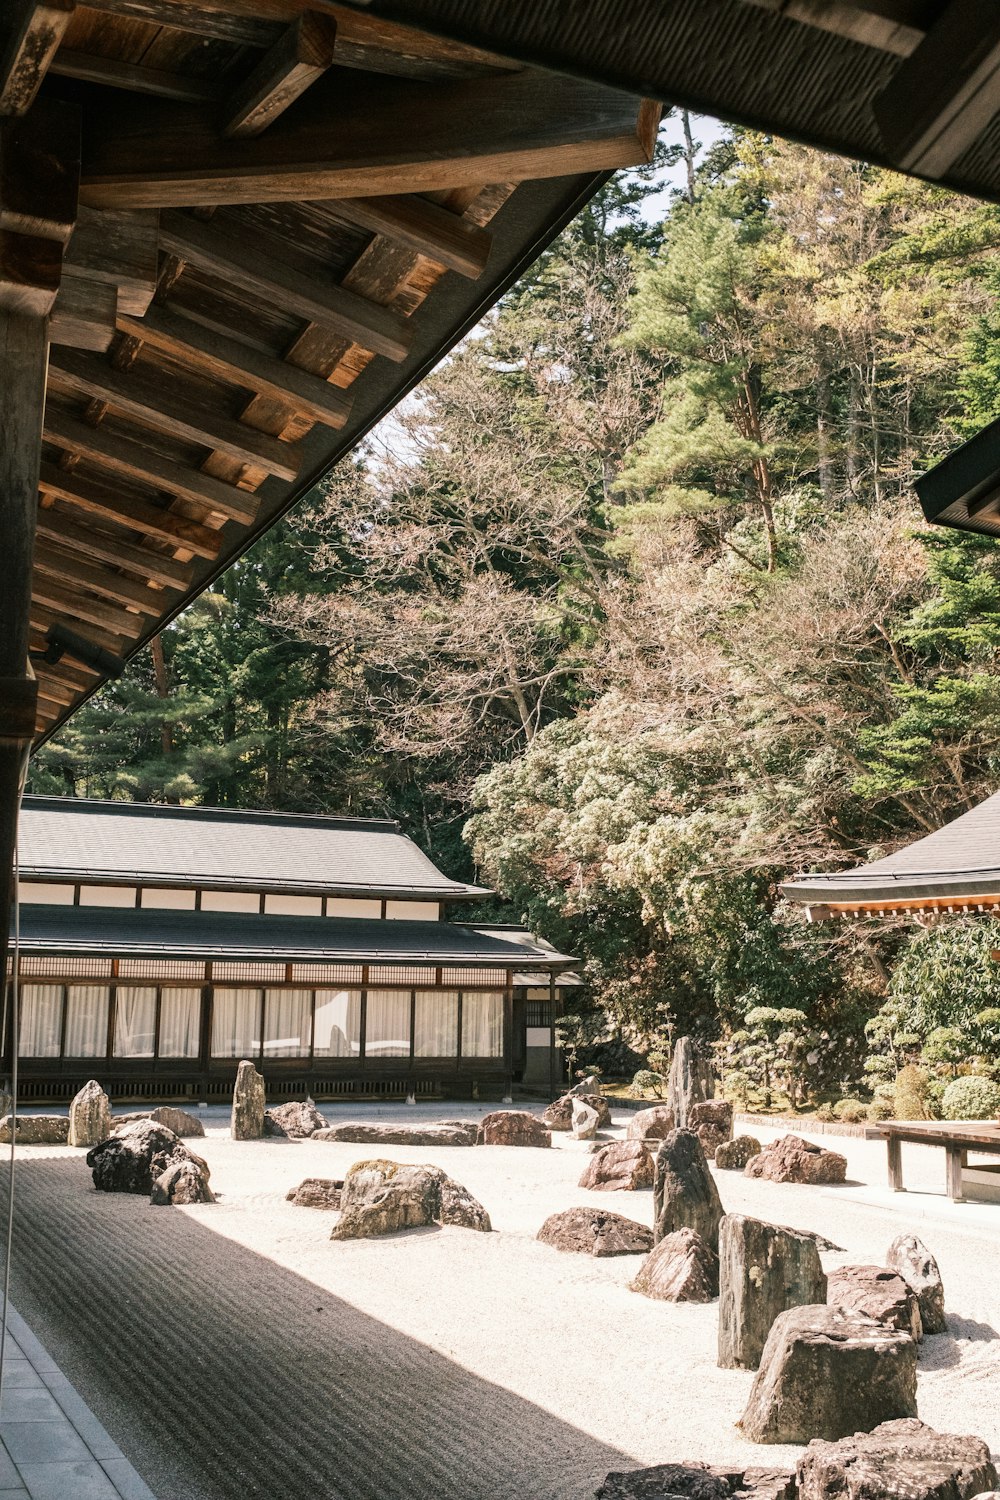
(285, 214)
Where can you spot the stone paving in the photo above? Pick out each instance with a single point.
(52, 1447)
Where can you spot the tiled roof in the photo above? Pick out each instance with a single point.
(147, 843)
(90, 930)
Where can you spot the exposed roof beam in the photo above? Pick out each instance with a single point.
(290, 67)
(36, 27)
(83, 314)
(242, 268)
(114, 586)
(144, 394)
(139, 461)
(29, 273)
(368, 137)
(75, 605)
(228, 359)
(946, 94)
(43, 616)
(100, 546)
(101, 499)
(893, 26)
(120, 248)
(114, 74)
(424, 226)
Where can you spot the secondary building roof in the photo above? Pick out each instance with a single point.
(956, 868)
(71, 931)
(140, 843)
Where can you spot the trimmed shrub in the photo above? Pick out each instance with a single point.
(912, 1095)
(850, 1111)
(825, 1113)
(880, 1109)
(645, 1080)
(971, 1099)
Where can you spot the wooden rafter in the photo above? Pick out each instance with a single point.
(892, 26)
(101, 546)
(291, 66)
(77, 604)
(36, 28)
(87, 494)
(424, 226)
(104, 581)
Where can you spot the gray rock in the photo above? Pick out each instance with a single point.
(827, 1372)
(589, 1085)
(684, 1192)
(89, 1116)
(791, 1159)
(621, 1166)
(732, 1156)
(681, 1268)
(763, 1270)
(131, 1160)
(512, 1127)
(880, 1293)
(182, 1182)
(592, 1231)
(698, 1481)
(247, 1123)
(316, 1192)
(691, 1080)
(653, 1124)
(177, 1120)
(559, 1114)
(37, 1130)
(450, 1133)
(713, 1120)
(382, 1197)
(459, 1208)
(914, 1262)
(902, 1460)
(298, 1119)
(584, 1126)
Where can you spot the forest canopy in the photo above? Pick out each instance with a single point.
(629, 612)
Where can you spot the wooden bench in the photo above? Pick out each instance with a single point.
(956, 1139)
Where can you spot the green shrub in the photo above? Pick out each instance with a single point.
(880, 1109)
(825, 1112)
(645, 1080)
(912, 1099)
(971, 1099)
(851, 1111)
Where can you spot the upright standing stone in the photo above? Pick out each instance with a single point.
(684, 1191)
(584, 1121)
(763, 1270)
(690, 1080)
(912, 1260)
(89, 1116)
(713, 1120)
(248, 1104)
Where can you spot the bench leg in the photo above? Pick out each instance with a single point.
(955, 1157)
(894, 1150)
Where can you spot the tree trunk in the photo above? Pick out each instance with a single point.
(162, 692)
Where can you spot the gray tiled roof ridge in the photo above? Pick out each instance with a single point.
(33, 801)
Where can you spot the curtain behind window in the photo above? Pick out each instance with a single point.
(435, 1031)
(387, 1023)
(236, 1023)
(180, 1023)
(482, 1024)
(287, 1023)
(41, 1020)
(135, 1022)
(87, 1020)
(338, 1023)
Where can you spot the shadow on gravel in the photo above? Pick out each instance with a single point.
(224, 1376)
(941, 1351)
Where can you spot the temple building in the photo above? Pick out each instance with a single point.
(157, 946)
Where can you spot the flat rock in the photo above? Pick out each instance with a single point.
(713, 1120)
(879, 1292)
(681, 1268)
(182, 1182)
(791, 1159)
(589, 1085)
(131, 1160)
(316, 1192)
(764, 1269)
(913, 1261)
(828, 1372)
(684, 1191)
(298, 1119)
(584, 1123)
(621, 1166)
(592, 1231)
(653, 1124)
(559, 1114)
(698, 1481)
(691, 1080)
(177, 1120)
(382, 1197)
(901, 1460)
(36, 1130)
(89, 1116)
(247, 1121)
(512, 1127)
(732, 1156)
(452, 1133)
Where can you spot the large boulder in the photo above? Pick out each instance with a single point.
(447, 1133)
(681, 1268)
(584, 1125)
(698, 1481)
(592, 1231)
(177, 1120)
(914, 1262)
(589, 1085)
(653, 1124)
(559, 1114)
(131, 1160)
(684, 1191)
(879, 1292)
(826, 1372)
(732, 1156)
(763, 1270)
(89, 1116)
(713, 1120)
(791, 1159)
(620, 1166)
(182, 1182)
(249, 1100)
(691, 1080)
(381, 1197)
(297, 1119)
(902, 1460)
(512, 1127)
(36, 1130)
(316, 1192)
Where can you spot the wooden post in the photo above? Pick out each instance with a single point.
(552, 1034)
(894, 1150)
(955, 1158)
